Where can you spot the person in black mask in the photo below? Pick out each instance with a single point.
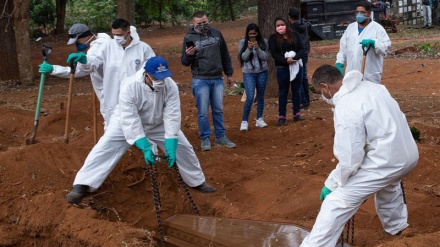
(205, 50)
(302, 27)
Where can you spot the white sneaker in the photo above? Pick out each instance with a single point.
(260, 123)
(244, 126)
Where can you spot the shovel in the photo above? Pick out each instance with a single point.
(69, 101)
(31, 140)
(364, 59)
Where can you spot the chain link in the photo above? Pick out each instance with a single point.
(185, 187)
(157, 203)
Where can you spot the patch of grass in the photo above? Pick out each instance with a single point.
(415, 133)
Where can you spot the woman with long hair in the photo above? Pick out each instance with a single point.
(287, 49)
(253, 53)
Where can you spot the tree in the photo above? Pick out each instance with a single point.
(61, 15)
(125, 10)
(267, 12)
(15, 64)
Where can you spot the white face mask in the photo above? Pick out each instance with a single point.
(120, 40)
(157, 84)
(328, 101)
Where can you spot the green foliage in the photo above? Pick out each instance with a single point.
(42, 14)
(238, 88)
(98, 15)
(220, 9)
(425, 47)
(166, 11)
(415, 133)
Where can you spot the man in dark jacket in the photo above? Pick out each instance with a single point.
(205, 50)
(302, 27)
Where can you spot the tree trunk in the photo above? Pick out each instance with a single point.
(23, 43)
(8, 52)
(267, 12)
(61, 15)
(231, 8)
(125, 10)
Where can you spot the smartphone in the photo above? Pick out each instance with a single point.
(189, 44)
(252, 38)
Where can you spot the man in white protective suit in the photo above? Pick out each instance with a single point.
(363, 34)
(80, 35)
(111, 62)
(375, 150)
(148, 114)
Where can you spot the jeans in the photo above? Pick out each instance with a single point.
(427, 15)
(283, 77)
(252, 81)
(206, 92)
(305, 97)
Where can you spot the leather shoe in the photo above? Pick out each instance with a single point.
(77, 193)
(205, 188)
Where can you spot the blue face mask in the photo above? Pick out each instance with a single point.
(360, 18)
(83, 46)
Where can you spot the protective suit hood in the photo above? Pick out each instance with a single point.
(350, 82)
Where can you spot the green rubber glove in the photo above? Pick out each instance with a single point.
(340, 67)
(77, 57)
(367, 43)
(45, 68)
(171, 146)
(145, 147)
(324, 193)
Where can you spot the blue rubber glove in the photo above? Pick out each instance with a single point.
(45, 68)
(324, 193)
(171, 146)
(145, 147)
(77, 57)
(340, 67)
(367, 43)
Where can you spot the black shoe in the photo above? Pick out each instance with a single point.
(281, 121)
(205, 188)
(77, 193)
(298, 118)
(397, 234)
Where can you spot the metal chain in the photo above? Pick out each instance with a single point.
(185, 187)
(349, 225)
(403, 191)
(157, 203)
(352, 230)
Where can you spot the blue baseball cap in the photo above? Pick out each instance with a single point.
(158, 68)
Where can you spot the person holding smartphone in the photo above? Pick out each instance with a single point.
(205, 50)
(253, 53)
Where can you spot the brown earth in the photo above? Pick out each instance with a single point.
(274, 174)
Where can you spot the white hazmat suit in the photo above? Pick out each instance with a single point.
(141, 112)
(350, 51)
(375, 150)
(95, 76)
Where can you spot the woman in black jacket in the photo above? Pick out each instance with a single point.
(282, 41)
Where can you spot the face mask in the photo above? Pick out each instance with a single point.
(203, 27)
(157, 84)
(281, 29)
(360, 18)
(328, 101)
(120, 40)
(83, 46)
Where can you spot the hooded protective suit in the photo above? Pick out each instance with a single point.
(375, 149)
(351, 52)
(116, 64)
(141, 112)
(95, 76)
